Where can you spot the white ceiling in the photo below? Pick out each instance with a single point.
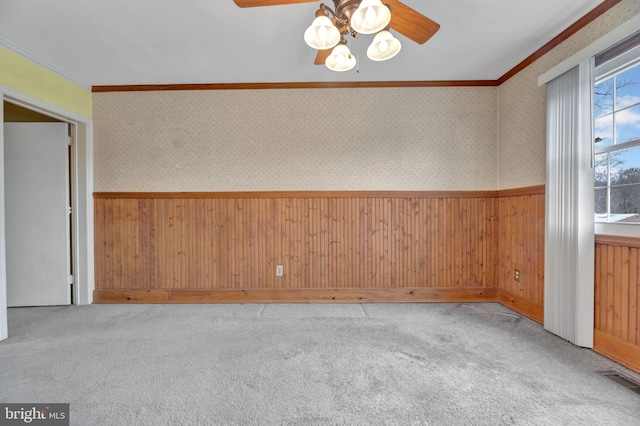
(112, 42)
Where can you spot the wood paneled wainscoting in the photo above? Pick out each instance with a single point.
(521, 247)
(333, 246)
(617, 297)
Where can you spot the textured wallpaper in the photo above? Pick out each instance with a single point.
(296, 139)
(522, 104)
(333, 139)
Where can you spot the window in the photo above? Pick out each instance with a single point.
(617, 142)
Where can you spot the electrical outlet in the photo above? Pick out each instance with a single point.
(279, 270)
(516, 274)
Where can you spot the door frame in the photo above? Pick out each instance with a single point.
(81, 199)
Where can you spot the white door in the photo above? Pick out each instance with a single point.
(37, 214)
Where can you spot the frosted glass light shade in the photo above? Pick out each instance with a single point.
(322, 34)
(384, 46)
(370, 17)
(340, 59)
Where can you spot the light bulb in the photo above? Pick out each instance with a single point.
(385, 46)
(322, 32)
(370, 15)
(340, 59)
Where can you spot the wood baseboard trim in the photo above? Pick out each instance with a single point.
(343, 295)
(531, 310)
(616, 349)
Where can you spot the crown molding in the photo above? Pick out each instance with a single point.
(47, 65)
(557, 40)
(612, 38)
(294, 85)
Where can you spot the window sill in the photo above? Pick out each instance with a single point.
(631, 230)
(622, 240)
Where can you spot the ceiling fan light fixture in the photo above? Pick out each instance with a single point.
(384, 46)
(322, 34)
(340, 59)
(370, 17)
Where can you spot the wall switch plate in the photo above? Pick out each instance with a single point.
(516, 274)
(279, 270)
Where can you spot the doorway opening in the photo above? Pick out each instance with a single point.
(81, 184)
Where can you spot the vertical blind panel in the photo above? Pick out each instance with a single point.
(569, 208)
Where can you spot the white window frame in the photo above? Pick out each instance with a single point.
(616, 35)
(618, 65)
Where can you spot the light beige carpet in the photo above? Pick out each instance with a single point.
(369, 364)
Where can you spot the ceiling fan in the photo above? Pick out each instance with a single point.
(353, 17)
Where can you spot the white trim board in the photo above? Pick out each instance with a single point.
(612, 37)
(82, 199)
(4, 330)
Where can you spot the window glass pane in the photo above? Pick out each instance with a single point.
(628, 88)
(627, 124)
(603, 131)
(625, 166)
(601, 170)
(603, 99)
(601, 204)
(616, 121)
(625, 203)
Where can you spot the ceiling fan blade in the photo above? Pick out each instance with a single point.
(257, 3)
(410, 23)
(322, 56)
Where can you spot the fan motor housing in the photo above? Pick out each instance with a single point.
(345, 8)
